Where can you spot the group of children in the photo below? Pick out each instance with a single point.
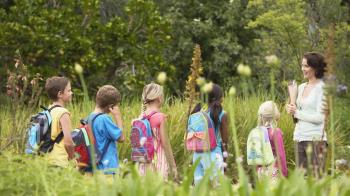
(108, 132)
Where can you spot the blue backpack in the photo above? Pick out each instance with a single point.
(200, 135)
(39, 133)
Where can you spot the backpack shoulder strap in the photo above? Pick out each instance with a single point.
(59, 137)
(221, 115)
(92, 119)
(149, 116)
(49, 109)
(53, 107)
(91, 122)
(265, 133)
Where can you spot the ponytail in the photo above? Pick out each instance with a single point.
(215, 111)
(197, 108)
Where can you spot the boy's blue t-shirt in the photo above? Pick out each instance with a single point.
(106, 133)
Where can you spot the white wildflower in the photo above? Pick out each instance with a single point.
(272, 59)
(232, 92)
(78, 68)
(247, 71)
(200, 81)
(208, 87)
(161, 77)
(240, 69)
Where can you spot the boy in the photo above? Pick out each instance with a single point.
(106, 132)
(59, 91)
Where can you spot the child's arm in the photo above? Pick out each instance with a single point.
(167, 147)
(224, 131)
(67, 137)
(279, 146)
(118, 118)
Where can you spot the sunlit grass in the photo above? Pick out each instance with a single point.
(35, 177)
(245, 116)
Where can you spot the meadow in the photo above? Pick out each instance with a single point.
(21, 174)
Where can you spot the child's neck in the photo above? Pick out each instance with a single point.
(152, 107)
(98, 110)
(59, 102)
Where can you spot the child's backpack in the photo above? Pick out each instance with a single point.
(259, 151)
(39, 133)
(200, 136)
(141, 138)
(84, 140)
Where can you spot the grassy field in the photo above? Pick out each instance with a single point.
(25, 175)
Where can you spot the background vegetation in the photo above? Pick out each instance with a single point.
(128, 42)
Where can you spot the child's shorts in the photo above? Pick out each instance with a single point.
(207, 160)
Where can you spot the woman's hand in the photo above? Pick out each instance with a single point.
(291, 108)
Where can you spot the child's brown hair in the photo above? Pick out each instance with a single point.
(54, 85)
(107, 96)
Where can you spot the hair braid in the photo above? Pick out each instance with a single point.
(144, 106)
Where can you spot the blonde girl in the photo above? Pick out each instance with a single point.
(268, 115)
(163, 162)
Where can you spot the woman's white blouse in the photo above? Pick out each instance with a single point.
(310, 114)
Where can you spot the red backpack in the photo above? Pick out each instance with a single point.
(84, 140)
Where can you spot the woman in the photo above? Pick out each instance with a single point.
(309, 133)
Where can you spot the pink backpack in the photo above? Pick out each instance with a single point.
(142, 141)
(200, 136)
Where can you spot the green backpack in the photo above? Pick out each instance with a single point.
(259, 151)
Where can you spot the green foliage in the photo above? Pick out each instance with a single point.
(53, 36)
(128, 42)
(217, 26)
(282, 28)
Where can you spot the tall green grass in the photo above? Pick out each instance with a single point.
(245, 112)
(25, 175)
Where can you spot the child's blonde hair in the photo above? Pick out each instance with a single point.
(150, 93)
(268, 114)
